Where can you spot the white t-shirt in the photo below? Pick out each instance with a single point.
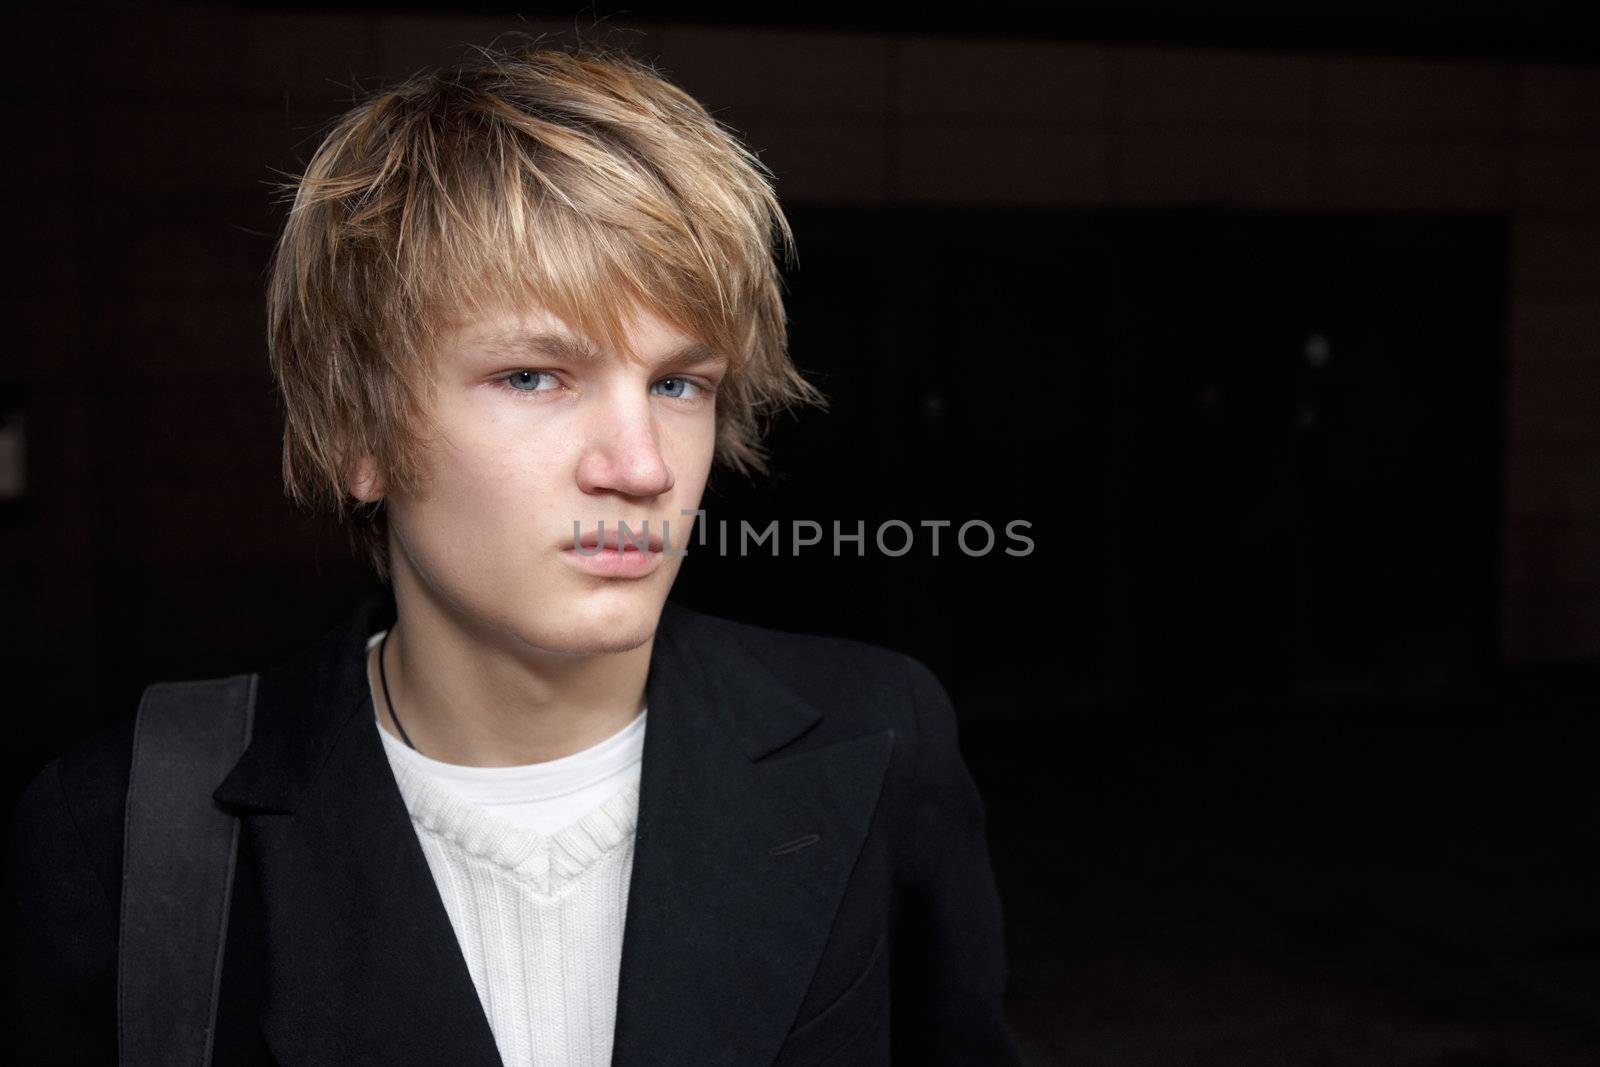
(533, 865)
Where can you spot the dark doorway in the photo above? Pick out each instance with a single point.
(1260, 454)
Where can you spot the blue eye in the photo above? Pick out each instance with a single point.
(679, 381)
(674, 388)
(523, 378)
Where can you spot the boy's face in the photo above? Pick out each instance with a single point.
(532, 436)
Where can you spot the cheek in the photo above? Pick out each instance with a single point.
(694, 447)
(481, 525)
(692, 472)
(486, 479)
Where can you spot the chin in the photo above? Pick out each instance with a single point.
(601, 626)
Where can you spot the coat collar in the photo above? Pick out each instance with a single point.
(723, 930)
(305, 704)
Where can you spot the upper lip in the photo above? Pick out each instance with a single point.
(636, 534)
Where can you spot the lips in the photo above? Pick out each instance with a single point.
(616, 542)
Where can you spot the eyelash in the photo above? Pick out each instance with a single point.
(707, 390)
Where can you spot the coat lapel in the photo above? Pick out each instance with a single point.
(746, 838)
(362, 963)
(743, 848)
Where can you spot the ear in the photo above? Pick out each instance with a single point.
(361, 477)
(364, 481)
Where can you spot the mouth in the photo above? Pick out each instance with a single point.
(638, 539)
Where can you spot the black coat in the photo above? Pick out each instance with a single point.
(811, 880)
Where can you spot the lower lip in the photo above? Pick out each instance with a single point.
(612, 563)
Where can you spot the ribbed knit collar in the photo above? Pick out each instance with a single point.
(547, 863)
(531, 782)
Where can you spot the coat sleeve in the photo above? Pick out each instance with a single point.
(63, 930)
(949, 972)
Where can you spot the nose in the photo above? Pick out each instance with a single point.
(622, 451)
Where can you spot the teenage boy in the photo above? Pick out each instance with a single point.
(514, 301)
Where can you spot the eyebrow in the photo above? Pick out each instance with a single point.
(564, 347)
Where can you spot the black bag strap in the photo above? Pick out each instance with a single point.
(179, 849)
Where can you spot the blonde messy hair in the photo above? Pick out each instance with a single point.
(576, 176)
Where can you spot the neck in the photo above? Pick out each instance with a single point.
(485, 697)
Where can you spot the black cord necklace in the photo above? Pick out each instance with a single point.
(384, 677)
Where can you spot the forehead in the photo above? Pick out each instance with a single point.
(535, 332)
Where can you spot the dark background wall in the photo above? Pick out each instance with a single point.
(1280, 334)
